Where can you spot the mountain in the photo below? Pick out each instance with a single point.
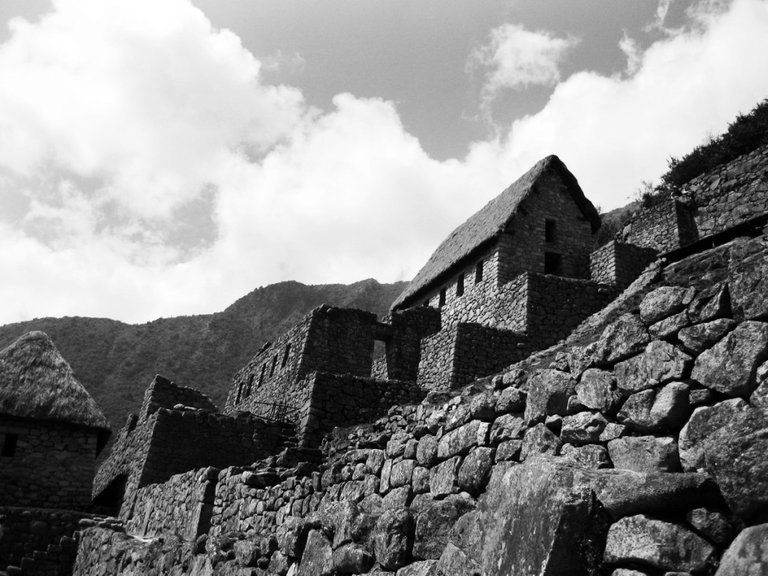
(116, 361)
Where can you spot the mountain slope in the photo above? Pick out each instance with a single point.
(116, 361)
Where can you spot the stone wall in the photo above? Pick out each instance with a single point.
(730, 194)
(664, 224)
(31, 532)
(181, 506)
(402, 331)
(437, 353)
(343, 400)
(329, 339)
(618, 264)
(162, 393)
(52, 467)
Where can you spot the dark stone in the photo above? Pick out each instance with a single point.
(434, 523)
(696, 339)
(507, 427)
(712, 524)
(711, 303)
(539, 440)
(426, 451)
(510, 400)
(730, 365)
(651, 411)
(352, 559)
(663, 545)
(475, 470)
(482, 407)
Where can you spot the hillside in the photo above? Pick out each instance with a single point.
(116, 361)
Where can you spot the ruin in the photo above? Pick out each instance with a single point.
(609, 402)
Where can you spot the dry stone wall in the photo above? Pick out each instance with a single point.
(664, 224)
(618, 264)
(52, 466)
(162, 393)
(639, 452)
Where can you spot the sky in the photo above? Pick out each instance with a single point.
(166, 157)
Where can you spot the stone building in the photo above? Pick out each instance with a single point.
(51, 430)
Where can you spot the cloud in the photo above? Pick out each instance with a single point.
(148, 169)
(515, 58)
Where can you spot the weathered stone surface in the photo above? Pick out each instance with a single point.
(396, 444)
(613, 431)
(597, 390)
(463, 439)
(636, 411)
(580, 358)
(386, 473)
(350, 523)
(453, 561)
(375, 461)
(664, 301)
(538, 497)
(759, 397)
(401, 473)
(422, 568)
(539, 440)
(747, 555)
(711, 303)
(397, 498)
(667, 328)
(443, 477)
(317, 559)
(703, 423)
(509, 450)
(482, 406)
(475, 470)
(622, 339)
(410, 449)
(548, 393)
(623, 492)
(663, 545)
(247, 552)
(582, 428)
(352, 559)
(292, 536)
(510, 400)
(278, 563)
(730, 365)
(426, 451)
(696, 339)
(393, 538)
(507, 427)
(671, 406)
(712, 524)
(589, 456)
(434, 523)
(644, 454)
(420, 480)
(748, 282)
(660, 362)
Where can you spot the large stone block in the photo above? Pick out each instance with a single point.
(703, 423)
(597, 390)
(434, 522)
(748, 280)
(534, 520)
(317, 559)
(475, 470)
(747, 554)
(625, 337)
(651, 411)
(463, 439)
(548, 393)
(730, 365)
(664, 301)
(663, 545)
(660, 362)
(443, 477)
(644, 454)
(507, 427)
(393, 539)
(696, 339)
(539, 440)
(582, 428)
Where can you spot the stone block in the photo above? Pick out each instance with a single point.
(582, 428)
(663, 302)
(426, 451)
(644, 454)
(463, 439)
(507, 427)
(539, 440)
(747, 554)
(434, 522)
(660, 362)
(443, 477)
(475, 470)
(623, 338)
(695, 339)
(548, 393)
(597, 390)
(393, 539)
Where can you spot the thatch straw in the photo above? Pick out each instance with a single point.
(489, 222)
(36, 382)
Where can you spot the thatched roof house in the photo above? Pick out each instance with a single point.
(483, 228)
(36, 382)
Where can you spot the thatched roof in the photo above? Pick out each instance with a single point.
(36, 382)
(485, 225)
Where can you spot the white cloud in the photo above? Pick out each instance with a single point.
(127, 137)
(515, 58)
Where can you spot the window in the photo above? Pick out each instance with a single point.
(426, 303)
(550, 233)
(249, 387)
(9, 445)
(285, 355)
(272, 368)
(553, 263)
(460, 285)
(441, 301)
(239, 392)
(479, 272)
(263, 370)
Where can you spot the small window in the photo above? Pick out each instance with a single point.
(441, 301)
(426, 303)
(479, 272)
(550, 230)
(274, 364)
(249, 387)
(460, 285)
(285, 356)
(9, 445)
(553, 263)
(263, 371)
(239, 393)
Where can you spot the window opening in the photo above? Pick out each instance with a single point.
(426, 303)
(9, 445)
(274, 364)
(249, 388)
(460, 285)
(239, 392)
(263, 371)
(553, 263)
(285, 355)
(479, 272)
(550, 230)
(441, 302)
